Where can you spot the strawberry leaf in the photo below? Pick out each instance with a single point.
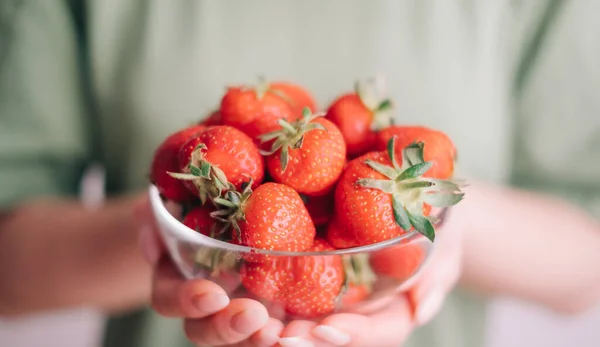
(390, 150)
(401, 216)
(423, 226)
(386, 186)
(382, 169)
(414, 171)
(412, 154)
(224, 202)
(306, 113)
(414, 185)
(194, 170)
(220, 176)
(283, 95)
(284, 158)
(443, 199)
(183, 176)
(287, 126)
(204, 169)
(385, 105)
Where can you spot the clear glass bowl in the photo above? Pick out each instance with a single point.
(295, 285)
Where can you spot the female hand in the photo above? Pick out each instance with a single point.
(212, 318)
(416, 303)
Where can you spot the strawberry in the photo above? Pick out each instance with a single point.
(214, 118)
(354, 294)
(217, 156)
(306, 286)
(360, 114)
(380, 197)
(307, 155)
(297, 97)
(255, 110)
(320, 208)
(400, 261)
(338, 236)
(272, 217)
(199, 219)
(166, 159)
(439, 148)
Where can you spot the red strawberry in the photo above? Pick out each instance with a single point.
(354, 294)
(166, 159)
(380, 197)
(255, 110)
(214, 118)
(439, 148)
(297, 97)
(307, 155)
(400, 261)
(199, 219)
(307, 286)
(338, 236)
(272, 217)
(320, 208)
(218, 155)
(358, 115)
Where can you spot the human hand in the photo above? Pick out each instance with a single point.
(416, 303)
(210, 316)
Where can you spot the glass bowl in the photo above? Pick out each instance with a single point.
(295, 285)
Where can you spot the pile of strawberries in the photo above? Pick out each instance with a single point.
(267, 171)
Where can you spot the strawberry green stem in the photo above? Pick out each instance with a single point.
(230, 208)
(215, 260)
(409, 190)
(372, 95)
(291, 135)
(263, 87)
(209, 179)
(358, 270)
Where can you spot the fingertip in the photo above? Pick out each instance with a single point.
(340, 329)
(429, 307)
(269, 335)
(235, 324)
(298, 333)
(200, 298)
(332, 335)
(250, 316)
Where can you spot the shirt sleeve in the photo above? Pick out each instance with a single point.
(43, 142)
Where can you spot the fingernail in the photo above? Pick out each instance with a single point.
(148, 244)
(246, 322)
(295, 342)
(270, 339)
(210, 302)
(332, 335)
(429, 307)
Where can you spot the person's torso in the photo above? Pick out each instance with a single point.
(158, 66)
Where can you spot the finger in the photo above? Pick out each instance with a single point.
(389, 327)
(265, 337)
(234, 324)
(298, 334)
(150, 244)
(172, 296)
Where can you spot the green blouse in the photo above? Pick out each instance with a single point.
(514, 83)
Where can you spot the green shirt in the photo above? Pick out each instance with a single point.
(513, 83)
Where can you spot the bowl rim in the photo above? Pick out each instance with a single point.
(182, 232)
